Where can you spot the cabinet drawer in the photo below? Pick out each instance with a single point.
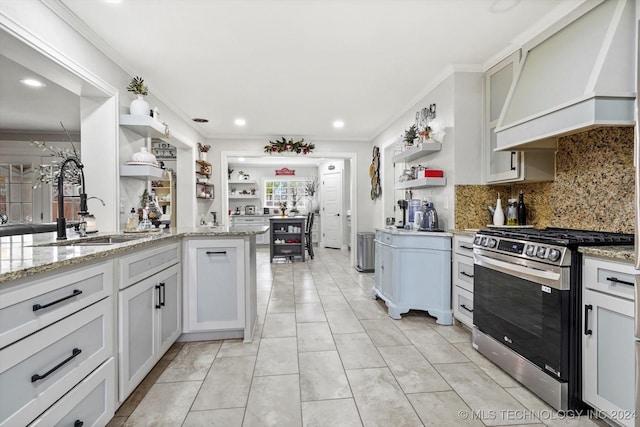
(91, 402)
(31, 306)
(464, 245)
(384, 237)
(612, 277)
(463, 306)
(38, 370)
(463, 272)
(137, 266)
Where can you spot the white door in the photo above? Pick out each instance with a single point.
(332, 210)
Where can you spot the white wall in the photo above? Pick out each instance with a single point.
(458, 98)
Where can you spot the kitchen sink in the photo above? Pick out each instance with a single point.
(97, 241)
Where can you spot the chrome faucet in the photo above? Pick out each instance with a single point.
(61, 222)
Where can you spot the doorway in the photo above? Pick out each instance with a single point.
(332, 210)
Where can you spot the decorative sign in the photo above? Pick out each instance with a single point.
(285, 171)
(374, 174)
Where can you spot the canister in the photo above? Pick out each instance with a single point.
(414, 205)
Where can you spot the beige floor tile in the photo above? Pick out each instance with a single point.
(384, 333)
(166, 404)
(227, 384)
(334, 413)
(274, 401)
(315, 337)
(173, 351)
(237, 347)
(443, 408)
(304, 296)
(279, 325)
(262, 297)
(435, 348)
(411, 321)
(215, 418)
(311, 312)
(334, 303)
(355, 294)
(358, 351)
(343, 322)
(192, 362)
(379, 398)
(277, 356)
(322, 376)
(481, 393)
(498, 375)
(282, 305)
(453, 333)
(327, 289)
(143, 388)
(412, 371)
(369, 309)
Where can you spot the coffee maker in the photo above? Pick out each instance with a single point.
(403, 204)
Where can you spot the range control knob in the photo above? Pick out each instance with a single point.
(484, 242)
(531, 250)
(554, 255)
(492, 243)
(542, 252)
(477, 240)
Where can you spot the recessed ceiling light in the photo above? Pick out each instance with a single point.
(240, 122)
(32, 83)
(338, 124)
(199, 120)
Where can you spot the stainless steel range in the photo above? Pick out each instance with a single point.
(527, 302)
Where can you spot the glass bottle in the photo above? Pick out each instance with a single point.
(522, 210)
(512, 212)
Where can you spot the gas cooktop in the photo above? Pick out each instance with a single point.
(563, 236)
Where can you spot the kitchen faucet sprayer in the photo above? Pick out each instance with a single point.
(61, 222)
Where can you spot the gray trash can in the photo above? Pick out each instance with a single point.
(366, 252)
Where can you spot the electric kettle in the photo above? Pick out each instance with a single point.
(429, 218)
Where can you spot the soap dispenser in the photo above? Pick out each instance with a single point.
(498, 214)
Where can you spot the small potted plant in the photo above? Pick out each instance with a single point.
(139, 106)
(233, 190)
(202, 151)
(410, 135)
(283, 209)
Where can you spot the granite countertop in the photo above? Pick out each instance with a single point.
(471, 232)
(29, 254)
(619, 253)
(403, 232)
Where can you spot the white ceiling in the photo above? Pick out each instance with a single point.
(290, 68)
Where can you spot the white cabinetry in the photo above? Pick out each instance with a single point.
(608, 338)
(56, 329)
(251, 221)
(462, 280)
(215, 286)
(509, 166)
(149, 312)
(413, 271)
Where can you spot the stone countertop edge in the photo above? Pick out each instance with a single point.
(30, 259)
(464, 232)
(403, 232)
(618, 253)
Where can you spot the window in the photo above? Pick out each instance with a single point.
(16, 192)
(278, 191)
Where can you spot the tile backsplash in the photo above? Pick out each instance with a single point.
(593, 187)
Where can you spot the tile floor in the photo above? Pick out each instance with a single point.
(326, 354)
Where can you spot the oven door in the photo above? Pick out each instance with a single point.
(515, 305)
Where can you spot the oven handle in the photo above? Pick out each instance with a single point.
(542, 277)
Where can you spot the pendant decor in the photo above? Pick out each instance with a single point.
(284, 146)
(374, 174)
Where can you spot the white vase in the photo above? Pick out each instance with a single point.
(143, 156)
(203, 155)
(140, 107)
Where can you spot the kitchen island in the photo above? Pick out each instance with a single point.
(92, 316)
(413, 271)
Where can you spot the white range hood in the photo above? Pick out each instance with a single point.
(573, 78)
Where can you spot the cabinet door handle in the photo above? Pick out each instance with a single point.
(37, 307)
(78, 423)
(513, 158)
(74, 353)
(622, 282)
(587, 331)
(216, 252)
(466, 308)
(164, 294)
(159, 303)
(467, 247)
(464, 273)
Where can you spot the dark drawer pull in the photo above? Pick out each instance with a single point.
(78, 423)
(464, 273)
(216, 252)
(622, 282)
(75, 293)
(467, 247)
(74, 353)
(164, 294)
(587, 331)
(466, 308)
(159, 303)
